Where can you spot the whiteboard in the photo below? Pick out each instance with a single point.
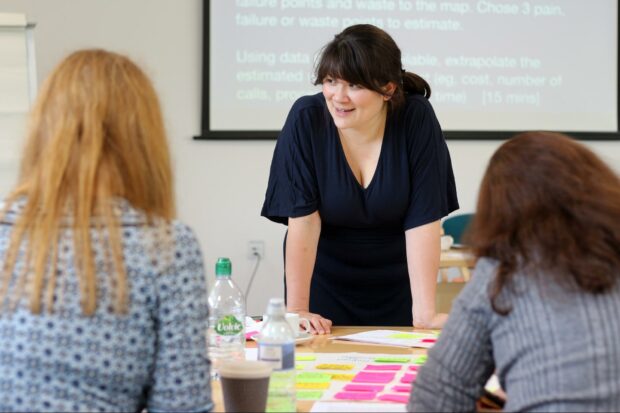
(17, 92)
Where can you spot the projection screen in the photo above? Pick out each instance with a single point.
(494, 66)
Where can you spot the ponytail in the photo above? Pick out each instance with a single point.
(415, 84)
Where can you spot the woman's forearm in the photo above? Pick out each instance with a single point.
(423, 251)
(301, 246)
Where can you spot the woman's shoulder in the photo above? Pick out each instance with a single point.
(418, 105)
(132, 217)
(416, 113)
(306, 120)
(184, 234)
(486, 267)
(474, 297)
(11, 208)
(416, 123)
(311, 106)
(483, 274)
(309, 102)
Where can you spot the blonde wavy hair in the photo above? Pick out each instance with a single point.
(95, 133)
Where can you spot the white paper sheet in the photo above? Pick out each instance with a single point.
(393, 338)
(357, 407)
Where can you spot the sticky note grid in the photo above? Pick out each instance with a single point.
(353, 377)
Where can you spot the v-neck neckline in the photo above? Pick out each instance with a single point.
(379, 160)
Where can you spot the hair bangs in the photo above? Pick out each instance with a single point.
(342, 61)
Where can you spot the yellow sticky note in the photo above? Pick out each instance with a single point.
(335, 366)
(343, 377)
(411, 336)
(299, 367)
(305, 357)
(315, 386)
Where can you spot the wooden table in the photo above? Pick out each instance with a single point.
(460, 258)
(326, 344)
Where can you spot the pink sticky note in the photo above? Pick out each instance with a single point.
(429, 340)
(372, 377)
(408, 378)
(250, 334)
(398, 398)
(406, 388)
(356, 395)
(414, 368)
(383, 367)
(364, 387)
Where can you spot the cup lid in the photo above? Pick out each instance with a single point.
(244, 369)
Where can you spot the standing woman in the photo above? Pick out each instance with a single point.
(361, 175)
(102, 292)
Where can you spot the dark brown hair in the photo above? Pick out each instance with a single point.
(548, 205)
(365, 55)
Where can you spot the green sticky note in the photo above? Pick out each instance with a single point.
(420, 359)
(410, 336)
(394, 359)
(305, 357)
(312, 377)
(309, 394)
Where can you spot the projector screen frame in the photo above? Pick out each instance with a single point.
(252, 135)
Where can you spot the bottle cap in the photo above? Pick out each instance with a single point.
(276, 307)
(223, 267)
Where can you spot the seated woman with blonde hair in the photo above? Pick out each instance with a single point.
(543, 307)
(102, 292)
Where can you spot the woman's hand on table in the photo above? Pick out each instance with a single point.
(318, 324)
(437, 321)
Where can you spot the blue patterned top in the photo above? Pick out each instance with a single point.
(153, 357)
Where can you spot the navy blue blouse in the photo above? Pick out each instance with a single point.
(360, 275)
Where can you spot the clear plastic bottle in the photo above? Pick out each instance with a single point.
(226, 333)
(276, 345)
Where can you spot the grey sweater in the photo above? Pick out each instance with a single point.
(556, 351)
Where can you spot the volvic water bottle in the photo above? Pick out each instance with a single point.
(226, 333)
(276, 345)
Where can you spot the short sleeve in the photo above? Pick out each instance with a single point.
(433, 190)
(180, 380)
(292, 188)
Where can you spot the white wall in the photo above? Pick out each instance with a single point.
(220, 184)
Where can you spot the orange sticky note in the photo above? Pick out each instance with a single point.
(313, 386)
(343, 377)
(335, 366)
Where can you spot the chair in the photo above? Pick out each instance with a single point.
(455, 226)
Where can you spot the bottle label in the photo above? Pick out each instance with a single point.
(228, 326)
(280, 356)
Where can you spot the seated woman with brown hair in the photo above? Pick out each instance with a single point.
(543, 306)
(102, 292)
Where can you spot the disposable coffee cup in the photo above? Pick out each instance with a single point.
(244, 385)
